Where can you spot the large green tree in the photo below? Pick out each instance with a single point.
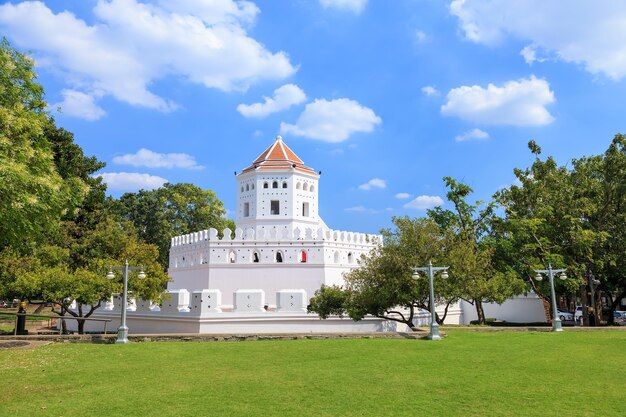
(382, 285)
(77, 272)
(554, 216)
(478, 277)
(172, 210)
(33, 194)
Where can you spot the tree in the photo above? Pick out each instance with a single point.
(603, 177)
(33, 195)
(471, 249)
(382, 285)
(51, 275)
(172, 210)
(549, 221)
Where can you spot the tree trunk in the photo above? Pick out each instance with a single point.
(614, 304)
(81, 326)
(583, 299)
(480, 312)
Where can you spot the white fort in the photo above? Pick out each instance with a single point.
(281, 250)
(260, 277)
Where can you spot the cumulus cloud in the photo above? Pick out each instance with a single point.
(128, 45)
(131, 181)
(403, 196)
(474, 134)
(80, 105)
(592, 34)
(424, 202)
(373, 183)
(429, 90)
(355, 6)
(332, 121)
(149, 159)
(284, 97)
(519, 103)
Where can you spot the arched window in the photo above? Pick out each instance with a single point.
(305, 187)
(247, 187)
(312, 188)
(336, 257)
(242, 188)
(252, 186)
(275, 184)
(255, 257)
(232, 257)
(350, 257)
(298, 186)
(302, 256)
(284, 184)
(279, 257)
(265, 185)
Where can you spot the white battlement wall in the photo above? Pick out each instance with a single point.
(284, 258)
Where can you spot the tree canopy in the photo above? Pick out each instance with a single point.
(58, 231)
(172, 210)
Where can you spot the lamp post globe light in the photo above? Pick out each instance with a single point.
(122, 331)
(556, 321)
(430, 270)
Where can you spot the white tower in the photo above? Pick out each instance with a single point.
(278, 192)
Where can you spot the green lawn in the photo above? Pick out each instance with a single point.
(467, 374)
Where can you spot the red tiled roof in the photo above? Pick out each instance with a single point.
(278, 157)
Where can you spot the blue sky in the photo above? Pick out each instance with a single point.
(384, 97)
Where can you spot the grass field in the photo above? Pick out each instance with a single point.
(467, 374)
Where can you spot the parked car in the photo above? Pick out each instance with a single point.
(619, 317)
(566, 316)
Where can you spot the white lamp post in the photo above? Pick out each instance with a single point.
(122, 331)
(430, 269)
(556, 321)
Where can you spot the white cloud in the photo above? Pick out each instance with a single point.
(471, 135)
(590, 33)
(424, 202)
(128, 45)
(518, 103)
(332, 121)
(529, 52)
(79, 104)
(421, 36)
(284, 97)
(355, 6)
(403, 196)
(131, 181)
(429, 90)
(149, 159)
(373, 183)
(362, 209)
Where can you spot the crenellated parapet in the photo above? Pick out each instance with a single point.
(183, 303)
(276, 234)
(274, 245)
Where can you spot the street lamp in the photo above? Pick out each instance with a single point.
(556, 321)
(430, 269)
(122, 331)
